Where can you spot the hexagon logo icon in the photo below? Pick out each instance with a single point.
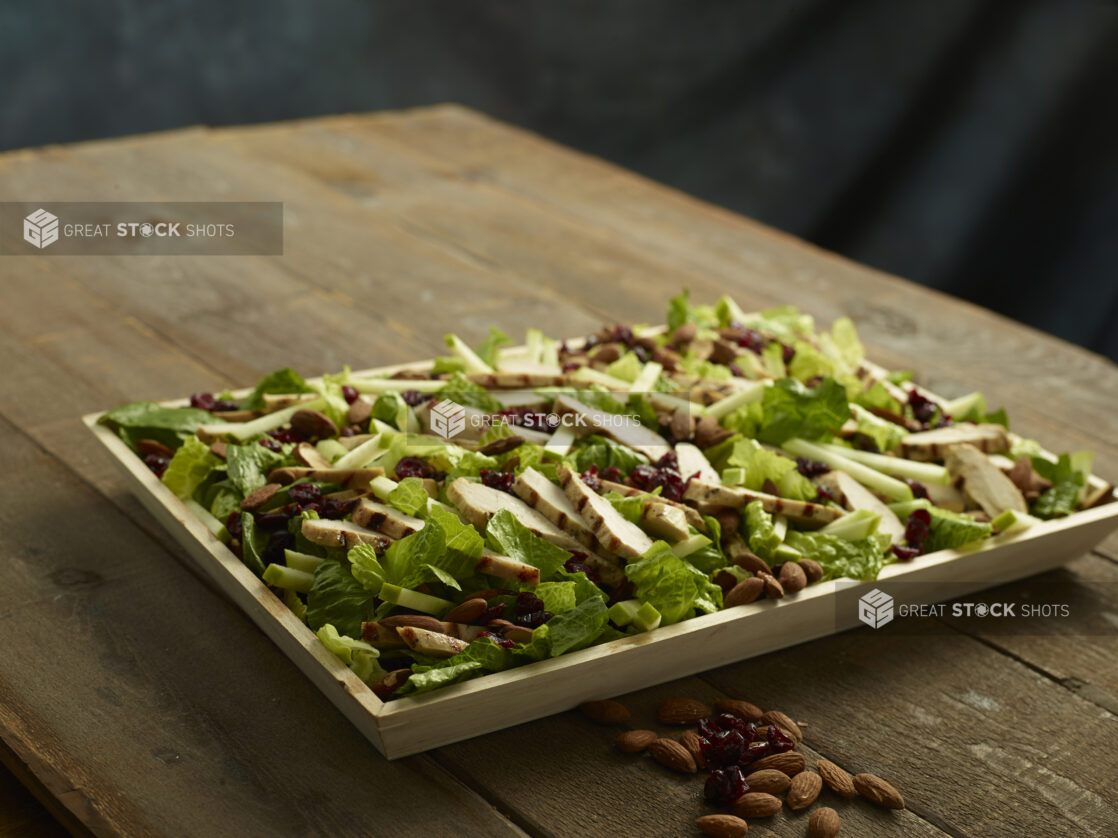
(875, 609)
(448, 419)
(40, 228)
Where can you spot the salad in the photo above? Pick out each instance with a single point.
(503, 505)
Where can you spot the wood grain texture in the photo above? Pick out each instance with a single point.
(402, 226)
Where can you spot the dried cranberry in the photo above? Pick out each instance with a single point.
(824, 494)
(575, 566)
(346, 431)
(270, 444)
(612, 474)
(350, 394)
(644, 477)
(413, 467)
(754, 751)
(277, 543)
(203, 401)
(811, 468)
(535, 619)
(591, 479)
(723, 748)
(905, 554)
(225, 406)
(917, 528)
(305, 493)
(725, 785)
(779, 742)
(286, 435)
(499, 480)
(494, 612)
(922, 409)
(233, 524)
(750, 339)
(919, 490)
(336, 509)
(789, 353)
(571, 366)
(735, 370)
(814, 381)
(503, 642)
(642, 354)
(413, 398)
(620, 592)
(621, 334)
(271, 520)
(157, 463)
(864, 442)
(527, 602)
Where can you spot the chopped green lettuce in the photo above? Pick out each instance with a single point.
(508, 536)
(480, 657)
(423, 557)
(680, 311)
(191, 464)
(557, 596)
(461, 390)
(148, 420)
(248, 465)
(356, 654)
(282, 381)
(492, 344)
(253, 542)
(627, 367)
(763, 535)
(860, 559)
(1068, 476)
(336, 597)
(792, 409)
(409, 496)
(598, 451)
(760, 464)
(953, 529)
(673, 586)
(577, 627)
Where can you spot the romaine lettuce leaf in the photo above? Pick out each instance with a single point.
(148, 420)
(189, 467)
(461, 390)
(253, 543)
(953, 529)
(763, 537)
(1068, 476)
(463, 543)
(598, 451)
(281, 381)
(489, 347)
(409, 496)
(336, 597)
(248, 465)
(557, 596)
(666, 581)
(627, 367)
(861, 559)
(508, 536)
(356, 654)
(409, 562)
(761, 464)
(364, 564)
(578, 627)
(792, 409)
(680, 311)
(845, 338)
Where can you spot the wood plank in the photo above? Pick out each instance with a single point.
(979, 745)
(24, 816)
(123, 706)
(594, 790)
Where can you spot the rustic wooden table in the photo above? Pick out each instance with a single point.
(135, 700)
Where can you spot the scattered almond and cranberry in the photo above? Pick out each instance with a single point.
(748, 765)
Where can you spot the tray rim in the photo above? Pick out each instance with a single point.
(357, 700)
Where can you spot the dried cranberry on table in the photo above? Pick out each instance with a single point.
(779, 742)
(725, 785)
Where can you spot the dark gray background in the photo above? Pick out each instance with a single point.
(968, 145)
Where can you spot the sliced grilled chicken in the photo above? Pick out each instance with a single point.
(983, 482)
(378, 633)
(626, 431)
(934, 444)
(551, 502)
(387, 519)
(308, 455)
(693, 462)
(802, 512)
(351, 478)
(345, 534)
(948, 497)
(478, 503)
(383, 637)
(693, 517)
(494, 564)
(613, 532)
(856, 496)
(668, 522)
(278, 401)
(431, 642)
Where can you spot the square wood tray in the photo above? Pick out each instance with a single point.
(407, 726)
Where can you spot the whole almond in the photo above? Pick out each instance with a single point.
(773, 588)
(722, 826)
(467, 611)
(781, 720)
(838, 779)
(671, 754)
(823, 823)
(769, 781)
(756, 804)
(790, 762)
(606, 712)
(877, 791)
(750, 561)
(681, 711)
(359, 412)
(420, 621)
(690, 740)
(635, 741)
(804, 790)
(742, 709)
(314, 424)
(812, 569)
(745, 592)
(258, 497)
(792, 578)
